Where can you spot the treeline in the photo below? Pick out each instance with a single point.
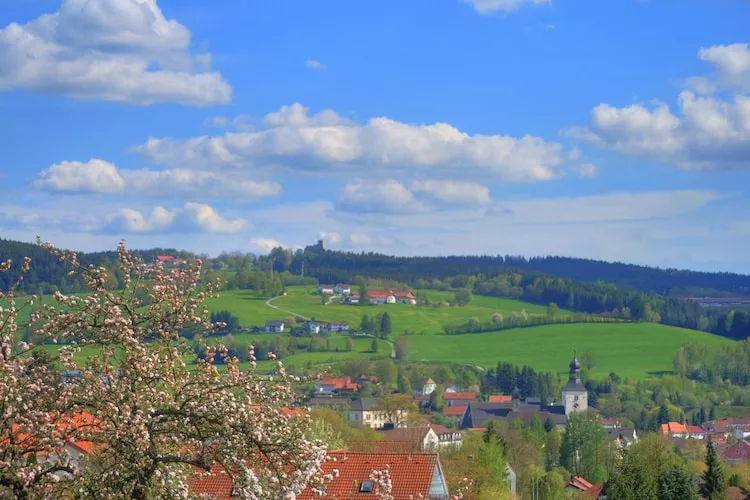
(498, 323)
(333, 266)
(48, 273)
(730, 363)
(525, 381)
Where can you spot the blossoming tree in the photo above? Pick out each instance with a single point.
(156, 416)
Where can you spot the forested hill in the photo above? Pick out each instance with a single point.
(336, 266)
(47, 272)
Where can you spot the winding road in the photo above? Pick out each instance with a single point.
(270, 304)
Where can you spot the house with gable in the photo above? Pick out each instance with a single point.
(682, 431)
(274, 326)
(737, 452)
(413, 475)
(342, 289)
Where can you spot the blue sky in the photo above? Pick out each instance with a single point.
(617, 130)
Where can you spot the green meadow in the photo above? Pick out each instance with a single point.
(635, 350)
(252, 310)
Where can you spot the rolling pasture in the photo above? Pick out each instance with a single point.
(635, 350)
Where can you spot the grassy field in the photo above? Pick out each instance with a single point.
(252, 310)
(636, 350)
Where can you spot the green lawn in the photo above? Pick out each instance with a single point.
(302, 300)
(636, 350)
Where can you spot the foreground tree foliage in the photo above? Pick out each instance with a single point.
(151, 419)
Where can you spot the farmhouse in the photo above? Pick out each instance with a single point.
(330, 385)
(325, 289)
(738, 452)
(379, 297)
(459, 398)
(274, 326)
(342, 289)
(366, 411)
(678, 430)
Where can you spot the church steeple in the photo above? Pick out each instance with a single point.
(575, 369)
(574, 394)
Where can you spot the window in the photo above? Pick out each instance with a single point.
(366, 487)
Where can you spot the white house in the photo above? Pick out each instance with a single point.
(429, 387)
(326, 289)
(342, 289)
(312, 327)
(274, 326)
(338, 326)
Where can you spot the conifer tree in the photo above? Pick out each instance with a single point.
(715, 478)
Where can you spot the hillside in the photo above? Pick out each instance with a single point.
(636, 350)
(252, 310)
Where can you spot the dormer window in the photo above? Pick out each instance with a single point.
(366, 487)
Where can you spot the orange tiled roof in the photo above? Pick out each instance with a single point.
(500, 399)
(460, 395)
(382, 446)
(453, 411)
(580, 483)
(411, 474)
(678, 428)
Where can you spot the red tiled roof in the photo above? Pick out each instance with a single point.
(63, 423)
(340, 383)
(500, 399)
(738, 451)
(735, 493)
(382, 446)
(453, 411)
(580, 483)
(217, 485)
(439, 429)
(595, 490)
(460, 395)
(678, 428)
(411, 474)
(723, 424)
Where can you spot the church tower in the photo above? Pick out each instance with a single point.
(575, 397)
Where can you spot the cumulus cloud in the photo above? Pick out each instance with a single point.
(705, 132)
(99, 176)
(587, 170)
(731, 62)
(74, 176)
(327, 142)
(389, 196)
(314, 64)
(489, 6)
(192, 217)
(452, 193)
(393, 197)
(114, 50)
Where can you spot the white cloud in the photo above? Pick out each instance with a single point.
(384, 197)
(99, 176)
(587, 170)
(265, 245)
(75, 176)
(393, 197)
(326, 142)
(452, 193)
(330, 238)
(192, 217)
(704, 132)
(314, 64)
(115, 50)
(732, 64)
(489, 6)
